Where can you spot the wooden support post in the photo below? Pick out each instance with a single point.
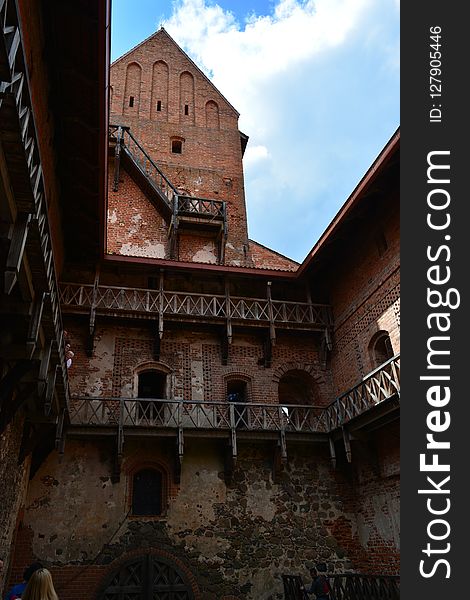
(347, 444)
(116, 474)
(309, 302)
(117, 159)
(173, 230)
(223, 236)
(179, 443)
(231, 451)
(16, 251)
(156, 345)
(228, 311)
(161, 292)
(51, 379)
(35, 323)
(91, 330)
(272, 329)
(60, 433)
(282, 435)
(267, 352)
(332, 452)
(44, 368)
(224, 348)
(233, 433)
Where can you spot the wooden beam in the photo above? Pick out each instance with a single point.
(347, 444)
(332, 451)
(35, 322)
(16, 251)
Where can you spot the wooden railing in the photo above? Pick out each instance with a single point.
(175, 414)
(196, 306)
(179, 204)
(348, 586)
(364, 587)
(124, 139)
(380, 385)
(201, 207)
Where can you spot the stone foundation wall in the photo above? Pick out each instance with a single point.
(234, 539)
(14, 478)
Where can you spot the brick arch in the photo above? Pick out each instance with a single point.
(132, 87)
(120, 562)
(187, 94)
(152, 365)
(159, 367)
(212, 115)
(159, 91)
(309, 368)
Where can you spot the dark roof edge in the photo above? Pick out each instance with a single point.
(190, 266)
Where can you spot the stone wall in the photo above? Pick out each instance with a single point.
(14, 478)
(234, 539)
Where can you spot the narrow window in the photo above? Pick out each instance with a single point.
(147, 492)
(382, 349)
(159, 105)
(177, 146)
(186, 109)
(131, 101)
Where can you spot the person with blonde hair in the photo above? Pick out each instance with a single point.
(40, 587)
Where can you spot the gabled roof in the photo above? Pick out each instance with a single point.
(163, 32)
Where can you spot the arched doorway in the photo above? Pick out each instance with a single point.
(148, 577)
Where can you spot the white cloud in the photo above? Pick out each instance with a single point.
(254, 154)
(310, 81)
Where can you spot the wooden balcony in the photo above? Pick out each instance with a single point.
(208, 416)
(206, 308)
(233, 421)
(380, 385)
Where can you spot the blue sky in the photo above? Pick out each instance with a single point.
(317, 88)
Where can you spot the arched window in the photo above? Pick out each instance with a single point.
(147, 492)
(380, 348)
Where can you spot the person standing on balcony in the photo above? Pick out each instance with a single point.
(320, 585)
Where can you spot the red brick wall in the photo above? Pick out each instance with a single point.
(195, 360)
(372, 494)
(365, 296)
(264, 258)
(134, 225)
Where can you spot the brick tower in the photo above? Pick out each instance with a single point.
(184, 130)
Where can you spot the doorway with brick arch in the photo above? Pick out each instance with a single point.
(147, 577)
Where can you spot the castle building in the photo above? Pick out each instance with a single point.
(185, 413)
